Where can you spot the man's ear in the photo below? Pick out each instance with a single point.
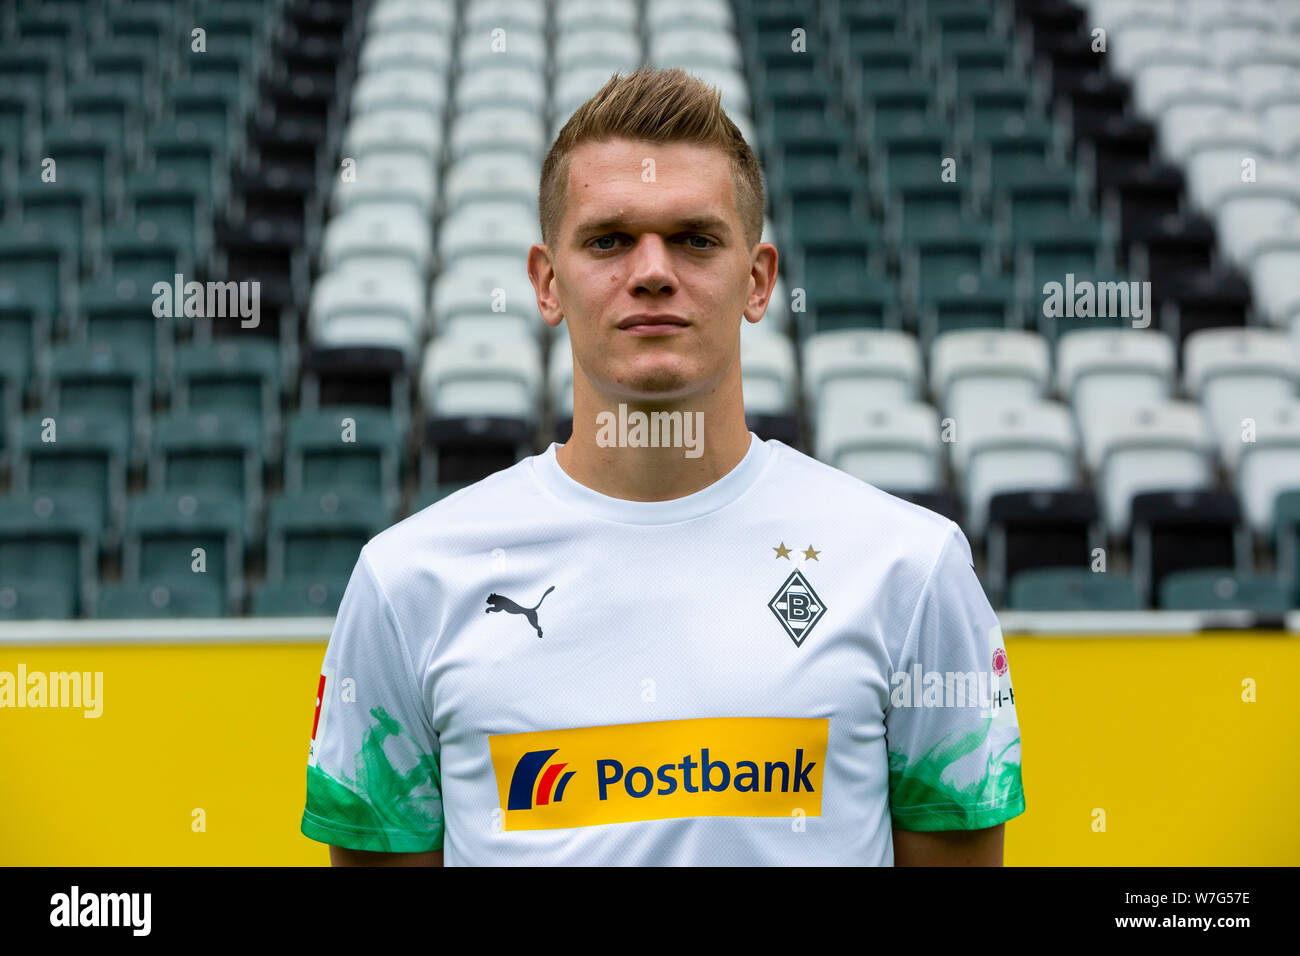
(541, 272)
(763, 272)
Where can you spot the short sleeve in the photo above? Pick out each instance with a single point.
(951, 728)
(373, 780)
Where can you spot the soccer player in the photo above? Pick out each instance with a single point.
(666, 641)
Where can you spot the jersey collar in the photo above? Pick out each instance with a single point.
(555, 480)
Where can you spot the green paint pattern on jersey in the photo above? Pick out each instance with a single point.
(920, 799)
(384, 809)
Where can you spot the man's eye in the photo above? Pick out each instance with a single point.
(709, 243)
(600, 239)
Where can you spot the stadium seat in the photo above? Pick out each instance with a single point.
(975, 371)
(1072, 589)
(894, 447)
(1039, 529)
(172, 596)
(319, 533)
(163, 529)
(861, 368)
(49, 539)
(1153, 446)
(1269, 464)
(1237, 375)
(1180, 531)
(1223, 589)
(1024, 447)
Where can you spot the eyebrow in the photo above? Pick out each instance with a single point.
(690, 224)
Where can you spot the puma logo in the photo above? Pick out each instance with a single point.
(500, 602)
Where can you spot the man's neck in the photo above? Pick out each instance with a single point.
(601, 453)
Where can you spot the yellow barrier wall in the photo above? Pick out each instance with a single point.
(1153, 731)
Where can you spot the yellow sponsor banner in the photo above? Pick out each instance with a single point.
(706, 767)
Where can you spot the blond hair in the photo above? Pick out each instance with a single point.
(661, 106)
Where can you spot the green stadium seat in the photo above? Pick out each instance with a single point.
(968, 59)
(321, 454)
(86, 459)
(144, 254)
(1223, 589)
(102, 379)
(237, 375)
(163, 529)
(810, 212)
(1072, 589)
(319, 533)
(28, 599)
(821, 263)
(913, 155)
(188, 154)
(905, 103)
(853, 301)
(973, 302)
(131, 64)
(879, 63)
(119, 312)
(1055, 326)
(84, 160)
(106, 104)
(309, 596)
(939, 260)
(68, 214)
(1286, 531)
(1057, 246)
(929, 208)
(23, 336)
(173, 596)
(50, 539)
(36, 270)
(33, 74)
(200, 451)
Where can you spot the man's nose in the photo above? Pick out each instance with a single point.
(651, 265)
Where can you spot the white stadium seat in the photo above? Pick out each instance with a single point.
(505, 174)
(578, 14)
(473, 376)
(411, 132)
(400, 89)
(488, 228)
(396, 178)
(894, 448)
(495, 128)
(1029, 447)
(478, 285)
(1270, 464)
(866, 368)
(375, 231)
(617, 49)
(768, 370)
(1101, 371)
(503, 85)
(428, 51)
(395, 293)
(1275, 275)
(979, 369)
(1236, 374)
(1163, 446)
(404, 16)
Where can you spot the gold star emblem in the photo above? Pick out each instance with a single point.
(810, 554)
(783, 551)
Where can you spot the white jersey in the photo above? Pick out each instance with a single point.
(776, 669)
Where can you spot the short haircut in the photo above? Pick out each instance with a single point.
(661, 106)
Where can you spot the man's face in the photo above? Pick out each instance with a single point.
(652, 228)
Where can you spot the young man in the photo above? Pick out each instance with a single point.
(713, 650)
